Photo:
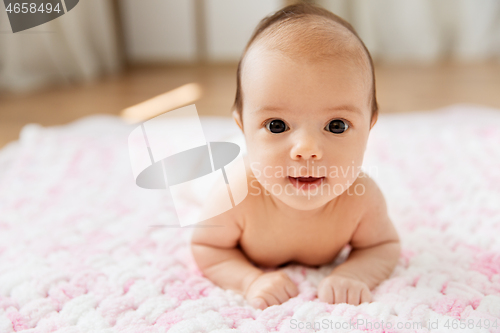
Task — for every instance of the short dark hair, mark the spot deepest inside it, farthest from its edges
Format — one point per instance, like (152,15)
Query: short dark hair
(290,14)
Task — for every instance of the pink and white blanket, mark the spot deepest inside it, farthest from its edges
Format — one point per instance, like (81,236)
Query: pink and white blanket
(83,249)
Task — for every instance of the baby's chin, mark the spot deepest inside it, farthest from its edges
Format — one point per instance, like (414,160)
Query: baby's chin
(303,202)
(301,199)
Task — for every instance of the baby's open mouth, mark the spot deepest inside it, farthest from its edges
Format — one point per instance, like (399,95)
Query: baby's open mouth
(305,183)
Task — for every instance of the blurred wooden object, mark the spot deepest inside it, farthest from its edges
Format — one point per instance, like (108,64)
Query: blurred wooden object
(400,88)
(171,100)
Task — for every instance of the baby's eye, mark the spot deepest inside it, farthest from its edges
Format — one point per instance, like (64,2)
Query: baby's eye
(276,126)
(337,126)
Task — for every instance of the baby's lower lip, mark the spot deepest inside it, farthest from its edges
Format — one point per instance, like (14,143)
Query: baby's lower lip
(305,183)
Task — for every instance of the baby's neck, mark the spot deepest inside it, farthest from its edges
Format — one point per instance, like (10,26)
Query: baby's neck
(298,214)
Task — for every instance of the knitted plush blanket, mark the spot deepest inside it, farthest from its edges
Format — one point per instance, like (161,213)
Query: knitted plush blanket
(83,249)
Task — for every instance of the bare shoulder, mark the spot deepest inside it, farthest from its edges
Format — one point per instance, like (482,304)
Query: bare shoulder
(366,189)
(225,229)
(364,194)
(374,226)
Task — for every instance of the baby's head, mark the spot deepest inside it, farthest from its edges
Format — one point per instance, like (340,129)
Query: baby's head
(305,102)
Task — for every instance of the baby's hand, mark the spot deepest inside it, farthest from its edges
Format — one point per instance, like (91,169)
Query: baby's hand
(336,289)
(271,288)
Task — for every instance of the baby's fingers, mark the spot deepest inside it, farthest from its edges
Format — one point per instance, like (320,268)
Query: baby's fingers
(281,294)
(325,293)
(353,295)
(291,289)
(258,303)
(271,298)
(366,295)
(340,294)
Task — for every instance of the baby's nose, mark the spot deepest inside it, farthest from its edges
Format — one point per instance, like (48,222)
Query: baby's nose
(306,148)
(313,156)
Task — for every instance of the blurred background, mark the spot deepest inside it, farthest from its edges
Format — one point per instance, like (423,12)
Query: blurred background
(107,55)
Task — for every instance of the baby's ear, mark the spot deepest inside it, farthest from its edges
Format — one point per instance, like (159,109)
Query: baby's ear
(237,119)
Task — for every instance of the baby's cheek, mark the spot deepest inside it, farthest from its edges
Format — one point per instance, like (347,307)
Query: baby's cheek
(342,176)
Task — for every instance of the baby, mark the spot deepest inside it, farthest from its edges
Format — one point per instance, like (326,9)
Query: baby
(305,102)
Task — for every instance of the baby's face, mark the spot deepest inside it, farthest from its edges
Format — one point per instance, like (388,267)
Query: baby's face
(304,119)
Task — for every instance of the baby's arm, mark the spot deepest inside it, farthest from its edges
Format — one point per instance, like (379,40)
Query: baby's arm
(216,253)
(375,252)
(214,246)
